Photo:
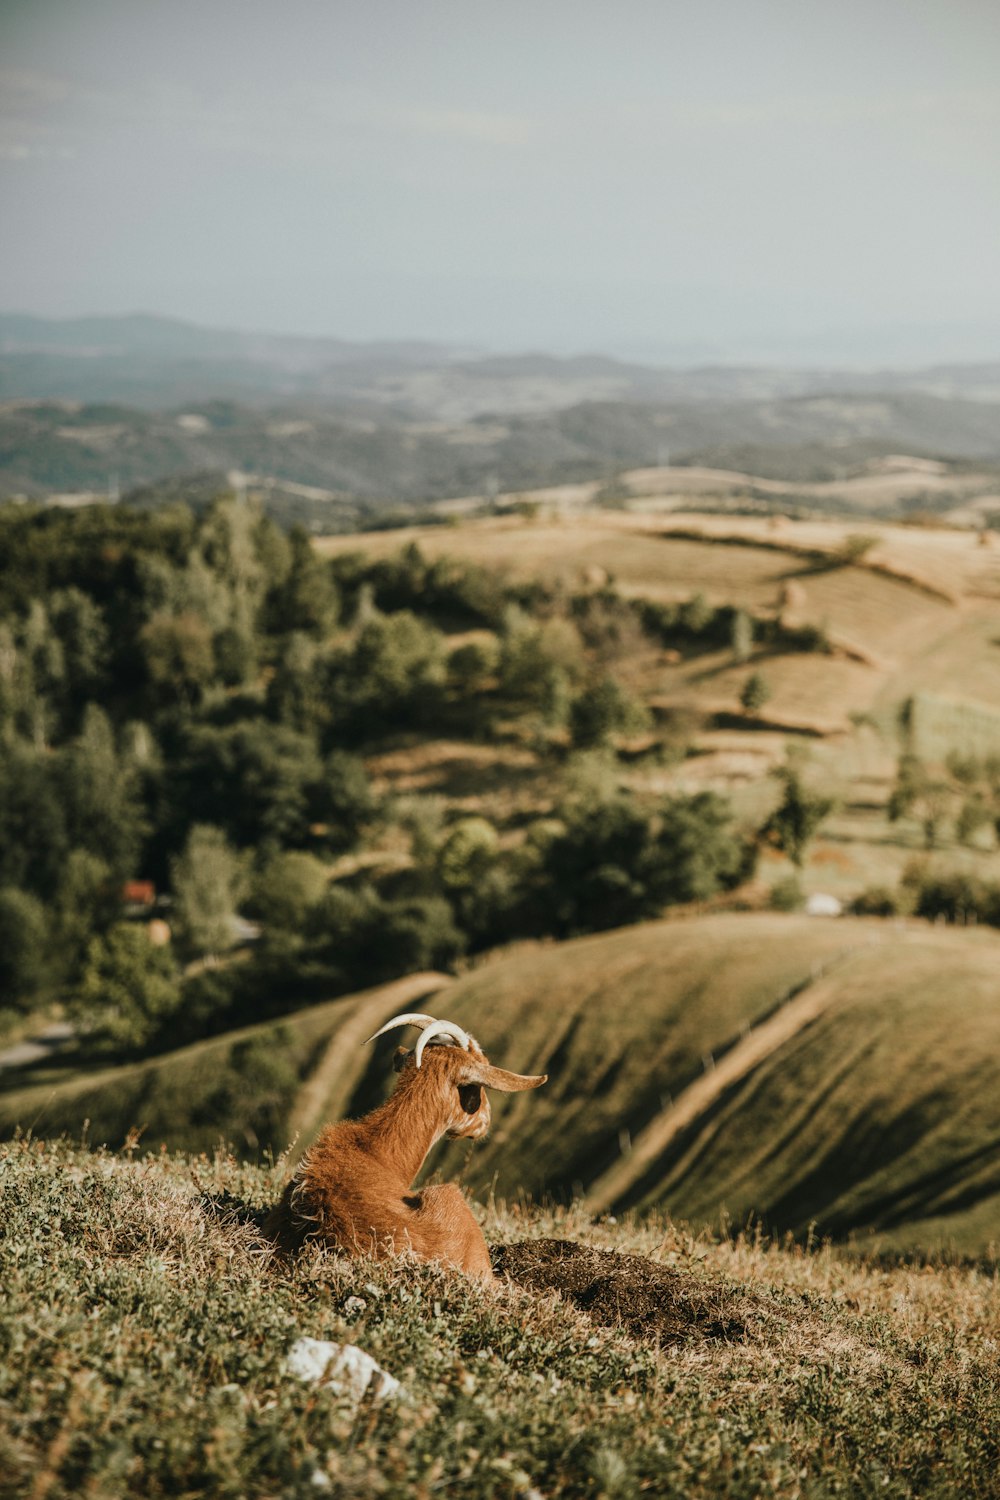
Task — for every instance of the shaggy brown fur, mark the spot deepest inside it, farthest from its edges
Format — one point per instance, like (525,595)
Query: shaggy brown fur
(353,1189)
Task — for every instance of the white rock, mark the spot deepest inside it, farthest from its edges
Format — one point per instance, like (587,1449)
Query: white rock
(820,904)
(344,1367)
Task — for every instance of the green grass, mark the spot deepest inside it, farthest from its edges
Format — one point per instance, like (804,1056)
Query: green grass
(879,1115)
(876,1122)
(142,1343)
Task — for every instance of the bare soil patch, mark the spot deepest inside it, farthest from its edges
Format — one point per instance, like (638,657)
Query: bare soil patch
(654,1304)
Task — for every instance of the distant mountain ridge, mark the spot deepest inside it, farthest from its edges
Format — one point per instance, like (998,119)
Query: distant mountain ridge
(111,405)
(154,362)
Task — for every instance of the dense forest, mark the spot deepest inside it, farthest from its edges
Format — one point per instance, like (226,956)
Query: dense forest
(187,705)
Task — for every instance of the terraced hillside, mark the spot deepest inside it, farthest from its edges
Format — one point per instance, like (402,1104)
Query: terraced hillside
(919,611)
(840,1075)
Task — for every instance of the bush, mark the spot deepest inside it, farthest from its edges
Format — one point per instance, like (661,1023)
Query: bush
(958,897)
(787,895)
(856,546)
(880,901)
(392,676)
(471,665)
(756,691)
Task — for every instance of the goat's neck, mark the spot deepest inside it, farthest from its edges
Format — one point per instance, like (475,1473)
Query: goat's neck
(402,1131)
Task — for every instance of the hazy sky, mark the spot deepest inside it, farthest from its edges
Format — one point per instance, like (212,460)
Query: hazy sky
(627,175)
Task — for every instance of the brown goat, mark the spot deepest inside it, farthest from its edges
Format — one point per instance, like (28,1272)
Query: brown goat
(353,1188)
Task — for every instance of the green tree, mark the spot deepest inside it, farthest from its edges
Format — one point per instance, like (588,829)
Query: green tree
(856,546)
(261,781)
(306,599)
(296,693)
(100,795)
(604,709)
(741,635)
(368,937)
(129,992)
(391,676)
(82,630)
(467,854)
(24,946)
(928,795)
(86,900)
(235,650)
(33,836)
(179,656)
(471,666)
(798,816)
(342,802)
(755,693)
(697,853)
(207,880)
(697,615)
(538,663)
(613,861)
(287,889)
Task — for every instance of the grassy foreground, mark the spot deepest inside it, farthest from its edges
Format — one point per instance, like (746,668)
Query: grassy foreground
(142,1341)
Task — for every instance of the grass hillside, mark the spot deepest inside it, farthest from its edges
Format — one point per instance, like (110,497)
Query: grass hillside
(871,1104)
(143,1340)
(836,1075)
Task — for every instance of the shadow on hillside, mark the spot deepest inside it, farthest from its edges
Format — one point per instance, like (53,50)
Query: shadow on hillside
(653,1304)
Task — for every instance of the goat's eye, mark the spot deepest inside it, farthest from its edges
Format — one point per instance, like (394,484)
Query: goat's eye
(470,1095)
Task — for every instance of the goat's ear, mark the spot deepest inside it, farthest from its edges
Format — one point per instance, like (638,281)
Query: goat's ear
(399,1058)
(508,1083)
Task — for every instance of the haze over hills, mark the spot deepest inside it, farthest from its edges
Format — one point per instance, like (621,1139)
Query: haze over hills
(99,405)
(152,361)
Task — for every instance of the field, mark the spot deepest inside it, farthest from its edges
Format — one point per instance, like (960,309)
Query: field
(920,599)
(818,1076)
(144,1332)
(917,617)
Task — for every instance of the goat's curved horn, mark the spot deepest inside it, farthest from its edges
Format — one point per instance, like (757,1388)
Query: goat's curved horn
(442,1028)
(412,1018)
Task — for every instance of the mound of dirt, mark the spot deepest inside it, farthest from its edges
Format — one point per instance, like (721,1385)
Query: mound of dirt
(652,1303)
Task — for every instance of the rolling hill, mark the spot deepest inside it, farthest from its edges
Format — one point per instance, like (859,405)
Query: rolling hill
(363,449)
(836,1078)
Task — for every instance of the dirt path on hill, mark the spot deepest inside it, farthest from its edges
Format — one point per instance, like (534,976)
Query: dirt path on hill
(699,1097)
(326,1092)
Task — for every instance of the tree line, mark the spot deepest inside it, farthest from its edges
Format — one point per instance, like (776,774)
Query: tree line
(189,700)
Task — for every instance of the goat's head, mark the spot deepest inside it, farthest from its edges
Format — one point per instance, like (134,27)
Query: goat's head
(450,1068)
